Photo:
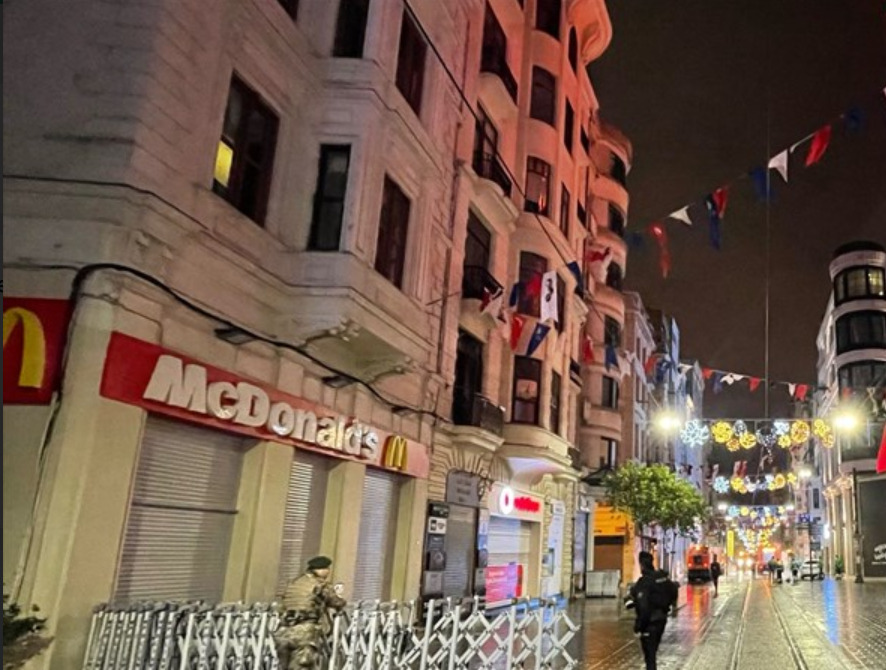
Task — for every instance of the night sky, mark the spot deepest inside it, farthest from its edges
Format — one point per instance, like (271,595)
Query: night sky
(689,82)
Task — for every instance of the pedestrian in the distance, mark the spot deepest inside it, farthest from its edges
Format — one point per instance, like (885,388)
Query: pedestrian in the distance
(653,596)
(716,571)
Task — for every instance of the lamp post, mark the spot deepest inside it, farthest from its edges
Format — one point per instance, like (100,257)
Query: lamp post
(859,547)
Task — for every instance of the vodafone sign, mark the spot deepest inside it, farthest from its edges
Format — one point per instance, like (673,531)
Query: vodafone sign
(504,501)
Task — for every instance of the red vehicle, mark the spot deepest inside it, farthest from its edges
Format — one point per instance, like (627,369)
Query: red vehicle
(698,563)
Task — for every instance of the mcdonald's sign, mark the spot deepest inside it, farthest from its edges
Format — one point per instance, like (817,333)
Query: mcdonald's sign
(396,453)
(34,331)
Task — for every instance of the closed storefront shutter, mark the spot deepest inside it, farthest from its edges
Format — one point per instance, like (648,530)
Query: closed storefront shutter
(510,541)
(608,552)
(184,501)
(579,553)
(303,519)
(461,540)
(378,535)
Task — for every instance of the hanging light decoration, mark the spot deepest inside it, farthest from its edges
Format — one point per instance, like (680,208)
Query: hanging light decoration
(739,427)
(695,433)
(820,428)
(766,436)
(747,440)
(721,485)
(722,432)
(734,444)
(829,440)
(800,432)
(792,478)
(782,427)
(784,441)
(780,481)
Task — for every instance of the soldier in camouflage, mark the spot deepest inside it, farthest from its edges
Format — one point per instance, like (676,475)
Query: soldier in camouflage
(307,602)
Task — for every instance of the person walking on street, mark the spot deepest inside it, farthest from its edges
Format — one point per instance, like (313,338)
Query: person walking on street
(307,601)
(653,596)
(716,571)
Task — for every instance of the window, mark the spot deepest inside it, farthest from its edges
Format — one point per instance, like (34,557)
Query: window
(476,277)
(245,156)
(329,198)
(585,140)
(555,402)
(609,398)
(468,378)
(547,17)
(543,105)
(561,304)
(291,7)
(527,376)
(532,267)
(573,50)
(568,126)
(619,171)
(611,450)
(411,63)
(350,29)
(860,376)
(486,163)
(614,276)
(861,330)
(390,255)
(612,332)
(564,210)
(538,186)
(859,282)
(816,499)
(616,221)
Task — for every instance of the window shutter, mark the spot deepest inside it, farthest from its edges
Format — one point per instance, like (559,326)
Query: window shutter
(378,535)
(461,541)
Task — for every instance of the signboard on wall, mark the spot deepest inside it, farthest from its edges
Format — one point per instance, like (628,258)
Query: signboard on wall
(34,335)
(872,493)
(608,521)
(463,488)
(502,582)
(505,501)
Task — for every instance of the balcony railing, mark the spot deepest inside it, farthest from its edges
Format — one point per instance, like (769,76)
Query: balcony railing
(493,61)
(582,214)
(585,141)
(575,371)
(473,409)
(859,453)
(489,167)
(619,170)
(475,279)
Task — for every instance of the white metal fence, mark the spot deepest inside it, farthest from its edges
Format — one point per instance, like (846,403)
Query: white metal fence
(450,635)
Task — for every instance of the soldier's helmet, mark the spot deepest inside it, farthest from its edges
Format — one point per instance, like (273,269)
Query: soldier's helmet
(319,563)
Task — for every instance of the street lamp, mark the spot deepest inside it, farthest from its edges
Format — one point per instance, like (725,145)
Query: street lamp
(847,420)
(667,421)
(805,472)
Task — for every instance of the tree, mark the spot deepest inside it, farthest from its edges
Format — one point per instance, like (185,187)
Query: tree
(655,496)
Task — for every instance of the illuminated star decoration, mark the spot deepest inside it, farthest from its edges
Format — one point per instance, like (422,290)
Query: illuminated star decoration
(800,432)
(722,432)
(721,485)
(695,433)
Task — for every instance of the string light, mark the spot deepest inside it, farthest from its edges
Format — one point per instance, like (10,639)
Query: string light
(722,432)
(767,436)
(695,433)
(800,432)
(734,444)
(747,440)
(721,485)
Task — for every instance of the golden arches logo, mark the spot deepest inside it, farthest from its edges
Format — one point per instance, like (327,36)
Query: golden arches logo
(396,452)
(33,345)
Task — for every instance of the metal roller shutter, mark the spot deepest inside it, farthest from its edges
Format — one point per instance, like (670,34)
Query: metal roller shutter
(510,541)
(378,535)
(580,543)
(182,514)
(303,519)
(461,540)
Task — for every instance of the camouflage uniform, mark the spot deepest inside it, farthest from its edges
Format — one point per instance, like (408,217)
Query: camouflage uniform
(306,625)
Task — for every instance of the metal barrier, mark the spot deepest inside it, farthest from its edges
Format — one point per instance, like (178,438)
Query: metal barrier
(454,634)
(178,636)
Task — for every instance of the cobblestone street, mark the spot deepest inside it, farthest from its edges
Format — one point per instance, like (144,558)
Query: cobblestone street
(751,626)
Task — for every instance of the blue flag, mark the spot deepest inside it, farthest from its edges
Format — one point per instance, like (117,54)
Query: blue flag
(611,357)
(636,241)
(718,382)
(762,184)
(854,120)
(515,295)
(579,281)
(538,336)
(714,217)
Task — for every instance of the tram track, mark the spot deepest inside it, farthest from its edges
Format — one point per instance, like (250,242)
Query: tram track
(796,653)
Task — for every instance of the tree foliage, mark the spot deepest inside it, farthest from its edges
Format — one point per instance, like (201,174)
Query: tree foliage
(654,495)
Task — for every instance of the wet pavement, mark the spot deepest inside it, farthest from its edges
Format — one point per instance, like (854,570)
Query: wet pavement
(752,625)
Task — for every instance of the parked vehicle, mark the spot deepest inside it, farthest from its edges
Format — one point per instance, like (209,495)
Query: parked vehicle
(698,564)
(811,570)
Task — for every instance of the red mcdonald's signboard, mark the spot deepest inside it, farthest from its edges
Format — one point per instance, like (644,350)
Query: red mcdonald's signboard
(34,332)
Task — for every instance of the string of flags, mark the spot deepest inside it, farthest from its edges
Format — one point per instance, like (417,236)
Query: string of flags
(716,201)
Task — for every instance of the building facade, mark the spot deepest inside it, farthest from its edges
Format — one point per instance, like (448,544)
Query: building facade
(249,262)
(852,382)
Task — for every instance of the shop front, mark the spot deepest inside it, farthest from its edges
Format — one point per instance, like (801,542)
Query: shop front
(513,544)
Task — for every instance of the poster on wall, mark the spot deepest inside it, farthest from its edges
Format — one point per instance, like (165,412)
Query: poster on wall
(872,493)
(502,582)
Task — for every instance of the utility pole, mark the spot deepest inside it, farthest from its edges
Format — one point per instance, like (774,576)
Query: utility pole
(859,547)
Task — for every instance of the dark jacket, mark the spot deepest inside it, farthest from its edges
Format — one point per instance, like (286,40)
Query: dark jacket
(716,570)
(653,595)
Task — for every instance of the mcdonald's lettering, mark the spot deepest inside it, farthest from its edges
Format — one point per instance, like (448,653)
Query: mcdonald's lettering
(33,337)
(396,452)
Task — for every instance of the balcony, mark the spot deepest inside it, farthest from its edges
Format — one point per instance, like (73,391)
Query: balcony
(607,188)
(489,167)
(498,86)
(473,409)
(532,452)
(575,372)
(594,28)
(475,280)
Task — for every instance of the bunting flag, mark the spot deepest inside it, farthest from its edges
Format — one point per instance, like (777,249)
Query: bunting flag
(587,349)
(779,163)
(714,221)
(792,389)
(576,272)
(549,302)
(762,185)
(754,383)
(517,325)
(820,140)
(636,240)
(707,373)
(802,390)
(611,357)
(853,120)
(491,304)
(682,215)
(649,365)
(718,382)
(596,256)
(624,367)
(720,198)
(881,456)
(538,335)
(661,237)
